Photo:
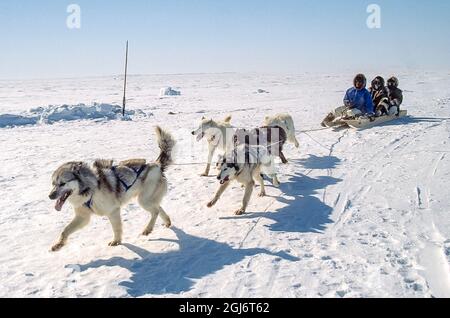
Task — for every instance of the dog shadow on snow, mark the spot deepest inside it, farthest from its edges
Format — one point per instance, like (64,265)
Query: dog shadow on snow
(176,271)
(318,163)
(304,210)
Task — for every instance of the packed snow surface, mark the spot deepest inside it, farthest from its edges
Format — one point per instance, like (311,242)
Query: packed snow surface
(359,213)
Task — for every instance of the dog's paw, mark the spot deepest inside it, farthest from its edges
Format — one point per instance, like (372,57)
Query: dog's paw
(276,184)
(115,243)
(239,212)
(204,174)
(57,247)
(147,232)
(211,204)
(168,224)
(262,194)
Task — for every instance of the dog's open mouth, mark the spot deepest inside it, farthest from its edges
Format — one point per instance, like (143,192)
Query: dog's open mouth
(200,136)
(225,180)
(62,199)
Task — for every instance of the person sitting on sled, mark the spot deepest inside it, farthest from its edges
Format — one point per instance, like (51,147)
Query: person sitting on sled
(395,96)
(357,102)
(379,96)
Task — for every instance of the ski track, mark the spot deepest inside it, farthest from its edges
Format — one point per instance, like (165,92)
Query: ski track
(362,217)
(432,256)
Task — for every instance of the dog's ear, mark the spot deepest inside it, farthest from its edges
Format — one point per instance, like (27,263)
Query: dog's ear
(203,117)
(76,171)
(79,170)
(227,119)
(76,167)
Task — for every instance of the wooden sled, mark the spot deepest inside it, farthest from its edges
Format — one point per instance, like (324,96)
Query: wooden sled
(364,122)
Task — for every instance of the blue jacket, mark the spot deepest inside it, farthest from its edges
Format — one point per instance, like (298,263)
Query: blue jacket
(360,99)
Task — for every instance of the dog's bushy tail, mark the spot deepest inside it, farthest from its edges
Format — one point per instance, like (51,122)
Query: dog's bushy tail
(166,144)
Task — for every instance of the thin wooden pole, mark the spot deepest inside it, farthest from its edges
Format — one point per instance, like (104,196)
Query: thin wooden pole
(125,82)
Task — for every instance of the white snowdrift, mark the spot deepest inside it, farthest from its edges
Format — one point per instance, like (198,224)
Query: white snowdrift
(168,91)
(52,114)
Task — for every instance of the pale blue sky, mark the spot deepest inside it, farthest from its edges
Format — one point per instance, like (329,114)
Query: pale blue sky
(192,36)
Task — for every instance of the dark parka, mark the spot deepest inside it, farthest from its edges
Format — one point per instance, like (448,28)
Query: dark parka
(379,94)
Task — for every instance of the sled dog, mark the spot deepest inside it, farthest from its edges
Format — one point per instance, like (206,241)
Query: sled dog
(245,165)
(273,138)
(219,135)
(104,188)
(286,122)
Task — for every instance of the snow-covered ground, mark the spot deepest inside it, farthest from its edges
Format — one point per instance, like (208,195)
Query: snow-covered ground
(359,213)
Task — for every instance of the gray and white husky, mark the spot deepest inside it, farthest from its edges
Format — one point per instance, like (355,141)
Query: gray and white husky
(245,164)
(104,188)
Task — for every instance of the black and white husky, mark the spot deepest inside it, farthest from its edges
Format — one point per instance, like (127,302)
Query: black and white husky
(104,188)
(271,137)
(245,164)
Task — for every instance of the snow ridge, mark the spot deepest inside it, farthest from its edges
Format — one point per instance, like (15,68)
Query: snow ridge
(52,114)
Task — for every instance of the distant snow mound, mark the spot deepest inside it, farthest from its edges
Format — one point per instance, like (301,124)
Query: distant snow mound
(8,120)
(52,114)
(168,91)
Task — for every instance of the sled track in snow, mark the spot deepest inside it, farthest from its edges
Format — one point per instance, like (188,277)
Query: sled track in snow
(329,171)
(389,150)
(432,256)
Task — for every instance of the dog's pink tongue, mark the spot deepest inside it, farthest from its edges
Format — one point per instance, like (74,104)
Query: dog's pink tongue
(59,204)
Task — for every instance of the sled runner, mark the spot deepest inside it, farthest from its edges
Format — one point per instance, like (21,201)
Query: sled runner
(365,122)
